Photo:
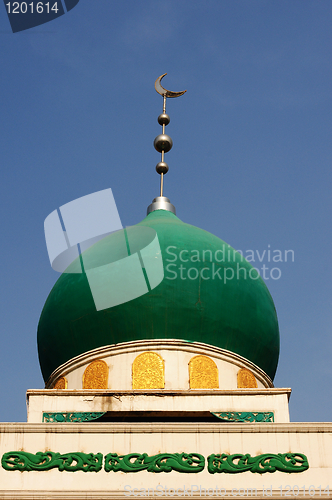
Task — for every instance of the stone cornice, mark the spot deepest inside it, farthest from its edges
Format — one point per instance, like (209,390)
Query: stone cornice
(159,392)
(165,427)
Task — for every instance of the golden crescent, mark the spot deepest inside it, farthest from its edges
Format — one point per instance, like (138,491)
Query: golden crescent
(164,92)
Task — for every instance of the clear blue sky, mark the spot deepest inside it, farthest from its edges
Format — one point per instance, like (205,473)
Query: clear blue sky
(251,160)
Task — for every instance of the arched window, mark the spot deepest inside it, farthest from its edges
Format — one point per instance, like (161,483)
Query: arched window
(148,371)
(246,379)
(95,375)
(61,383)
(203,373)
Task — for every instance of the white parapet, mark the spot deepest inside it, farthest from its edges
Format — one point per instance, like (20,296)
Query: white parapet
(144,404)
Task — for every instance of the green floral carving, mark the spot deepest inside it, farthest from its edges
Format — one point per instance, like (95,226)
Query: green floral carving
(163,462)
(268,462)
(245,416)
(70,462)
(84,416)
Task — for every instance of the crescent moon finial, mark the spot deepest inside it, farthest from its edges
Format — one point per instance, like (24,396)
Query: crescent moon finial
(163,143)
(164,92)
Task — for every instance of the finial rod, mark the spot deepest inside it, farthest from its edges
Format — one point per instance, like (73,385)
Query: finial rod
(161,183)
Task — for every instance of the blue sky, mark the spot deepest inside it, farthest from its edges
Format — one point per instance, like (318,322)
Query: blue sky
(251,160)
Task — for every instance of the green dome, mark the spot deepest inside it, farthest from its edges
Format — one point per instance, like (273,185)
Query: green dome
(192,303)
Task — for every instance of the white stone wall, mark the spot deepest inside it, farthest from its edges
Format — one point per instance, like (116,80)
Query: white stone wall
(313,440)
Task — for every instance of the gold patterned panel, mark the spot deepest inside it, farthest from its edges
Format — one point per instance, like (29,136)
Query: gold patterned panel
(148,371)
(61,383)
(95,375)
(203,373)
(246,379)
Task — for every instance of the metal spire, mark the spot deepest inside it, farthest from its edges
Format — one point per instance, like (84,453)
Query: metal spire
(163,143)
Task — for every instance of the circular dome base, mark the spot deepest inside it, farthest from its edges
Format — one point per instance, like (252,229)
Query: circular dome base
(176,355)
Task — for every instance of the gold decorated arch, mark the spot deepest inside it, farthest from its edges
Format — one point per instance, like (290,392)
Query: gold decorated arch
(148,371)
(246,379)
(61,383)
(203,373)
(95,375)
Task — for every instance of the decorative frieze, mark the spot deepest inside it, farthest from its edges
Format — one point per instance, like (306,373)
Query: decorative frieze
(245,416)
(85,416)
(162,462)
(268,462)
(42,461)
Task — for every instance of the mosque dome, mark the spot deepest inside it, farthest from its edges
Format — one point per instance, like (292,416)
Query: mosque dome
(192,303)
